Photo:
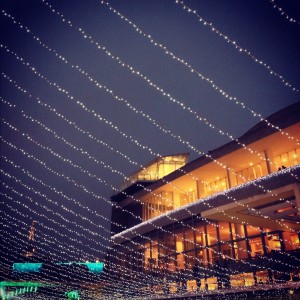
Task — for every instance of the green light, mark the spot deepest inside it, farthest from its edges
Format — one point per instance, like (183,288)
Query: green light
(22,283)
(27,267)
(94,267)
(20,288)
(72,295)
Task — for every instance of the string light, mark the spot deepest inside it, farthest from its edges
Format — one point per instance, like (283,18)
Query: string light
(30,95)
(182,61)
(235,44)
(12,128)
(65,160)
(57,241)
(283,13)
(141,112)
(114,127)
(32,210)
(84,277)
(138,73)
(67,93)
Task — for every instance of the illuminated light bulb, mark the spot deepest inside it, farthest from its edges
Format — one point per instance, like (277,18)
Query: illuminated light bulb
(283,13)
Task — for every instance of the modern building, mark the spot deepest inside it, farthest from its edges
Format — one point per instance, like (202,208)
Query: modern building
(228,218)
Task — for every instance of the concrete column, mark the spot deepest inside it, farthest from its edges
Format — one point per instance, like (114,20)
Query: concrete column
(267,162)
(200,188)
(297,195)
(228,178)
(197,189)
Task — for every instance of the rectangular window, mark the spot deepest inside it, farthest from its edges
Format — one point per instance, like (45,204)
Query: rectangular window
(224,231)
(147,256)
(186,198)
(200,236)
(252,230)
(256,247)
(213,255)
(180,248)
(291,241)
(154,254)
(287,159)
(190,259)
(171,267)
(238,231)
(226,250)
(272,242)
(189,240)
(211,234)
(202,257)
(216,186)
(251,173)
(240,250)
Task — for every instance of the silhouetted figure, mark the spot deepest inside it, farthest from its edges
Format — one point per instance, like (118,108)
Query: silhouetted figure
(255,278)
(196,273)
(218,275)
(166,288)
(181,281)
(178,281)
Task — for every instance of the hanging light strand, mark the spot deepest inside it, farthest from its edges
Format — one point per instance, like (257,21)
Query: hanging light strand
(109,122)
(177,220)
(235,44)
(174,220)
(151,83)
(283,13)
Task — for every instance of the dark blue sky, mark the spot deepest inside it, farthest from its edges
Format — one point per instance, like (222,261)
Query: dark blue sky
(254,24)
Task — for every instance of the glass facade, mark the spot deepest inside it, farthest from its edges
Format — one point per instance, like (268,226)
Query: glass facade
(229,250)
(212,244)
(288,159)
(158,203)
(157,169)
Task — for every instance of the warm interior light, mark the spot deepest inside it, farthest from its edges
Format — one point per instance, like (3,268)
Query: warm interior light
(284,209)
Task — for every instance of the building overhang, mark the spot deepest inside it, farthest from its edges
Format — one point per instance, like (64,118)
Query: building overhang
(286,119)
(229,205)
(131,190)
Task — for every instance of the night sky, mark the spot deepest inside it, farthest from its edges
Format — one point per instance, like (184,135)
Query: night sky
(86,120)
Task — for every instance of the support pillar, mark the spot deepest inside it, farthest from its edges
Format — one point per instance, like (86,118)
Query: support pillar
(267,162)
